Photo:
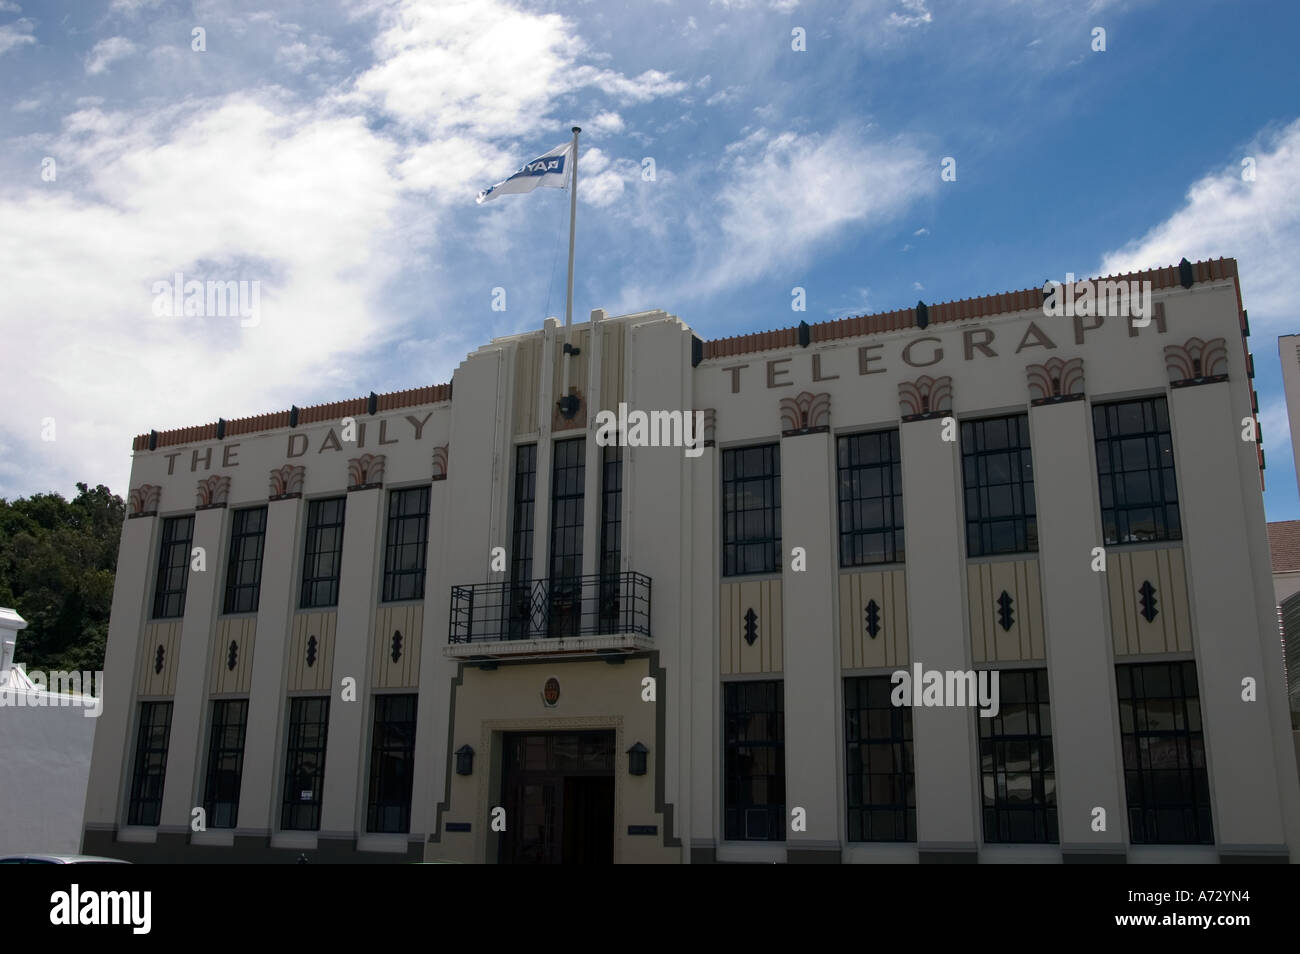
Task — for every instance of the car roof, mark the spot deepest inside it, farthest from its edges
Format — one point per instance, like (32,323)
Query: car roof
(66,859)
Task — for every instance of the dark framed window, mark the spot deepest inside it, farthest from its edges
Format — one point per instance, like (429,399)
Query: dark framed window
(521,550)
(225,762)
(1017,766)
(304,763)
(871,499)
(751,510)
(323,553)
(244,570)
(408,536)
(173,567)
(568,483)
(611,535)
(754,761)
(1165,776)
(878,765)
(998,476)
(392,764)
(150,773)
(1135,471)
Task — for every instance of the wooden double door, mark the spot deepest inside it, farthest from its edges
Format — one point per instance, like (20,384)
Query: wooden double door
(558,793)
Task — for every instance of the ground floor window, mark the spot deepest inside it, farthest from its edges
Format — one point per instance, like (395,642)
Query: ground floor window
(878,768)
(754,769)
(150,763)
(304,763)
(392,764)
(225,762)
(1165,777)
(1016,762)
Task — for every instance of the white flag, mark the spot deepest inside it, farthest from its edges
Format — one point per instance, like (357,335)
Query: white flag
(550,169)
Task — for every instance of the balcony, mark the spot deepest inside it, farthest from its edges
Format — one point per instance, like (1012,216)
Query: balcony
(600,615)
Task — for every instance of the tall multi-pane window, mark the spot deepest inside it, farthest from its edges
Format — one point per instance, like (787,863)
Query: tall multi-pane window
(323,554)
(304,763)
(1017,768)
(150,773)
(408,534)
(173,567)
(521,544)
(871,499)
(568,480)
(751,510)
(754,761)
(611,535)
(998,475)
(1135,471)
(1165,777)
(244,570)
(225,762)
(392,764)
(878,765)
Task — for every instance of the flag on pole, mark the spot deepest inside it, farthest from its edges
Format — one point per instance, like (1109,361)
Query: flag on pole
(550,169)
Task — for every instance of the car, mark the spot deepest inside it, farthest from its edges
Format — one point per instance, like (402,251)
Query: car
(60,860)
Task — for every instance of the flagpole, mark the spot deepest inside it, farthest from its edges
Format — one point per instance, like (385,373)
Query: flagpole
(573,215)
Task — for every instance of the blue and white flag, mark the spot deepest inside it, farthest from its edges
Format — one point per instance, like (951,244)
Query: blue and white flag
(550,169)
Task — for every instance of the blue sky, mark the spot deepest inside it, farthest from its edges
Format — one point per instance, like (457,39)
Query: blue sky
(332,152)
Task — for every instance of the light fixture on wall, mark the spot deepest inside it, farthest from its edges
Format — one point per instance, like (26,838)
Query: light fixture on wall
(464,760)
(636,759)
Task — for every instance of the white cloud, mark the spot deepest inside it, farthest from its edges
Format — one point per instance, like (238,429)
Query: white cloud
(8,6)
(105,52)
(26,105)
(922,231)
(16,34)
(916,15)
(1257,223)
(724,96)
(131,7)
(606,123)
(299,55)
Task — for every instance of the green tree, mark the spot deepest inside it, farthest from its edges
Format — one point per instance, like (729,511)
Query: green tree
(57,561)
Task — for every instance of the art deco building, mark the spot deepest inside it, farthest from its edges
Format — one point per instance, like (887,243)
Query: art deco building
(447,623)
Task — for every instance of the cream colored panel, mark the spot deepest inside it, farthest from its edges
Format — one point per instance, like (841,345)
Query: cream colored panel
(528,383)
(404,673)
(1170,630)
(313,677)
(242,631)
(766,654)
(858,649)
(611,365)
(990,641)
(157,676)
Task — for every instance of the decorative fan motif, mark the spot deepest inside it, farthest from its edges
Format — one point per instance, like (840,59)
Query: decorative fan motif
(287,480)
(212,491)
(365,471)
(144,499)
(710,426)
(924,397)
(440,462)
(1197,361)
(805,412)
(1055,380)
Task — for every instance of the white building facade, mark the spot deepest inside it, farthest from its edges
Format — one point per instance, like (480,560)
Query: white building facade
(448,624)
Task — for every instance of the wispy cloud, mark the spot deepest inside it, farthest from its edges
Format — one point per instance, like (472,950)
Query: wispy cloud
(105,52)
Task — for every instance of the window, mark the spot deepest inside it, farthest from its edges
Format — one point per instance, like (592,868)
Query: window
(324,552)
(408,534)
(751,510)
(1164,754)
(878,762)
(1016,763)
(568,480)
(225,762)
(998,474)
(150,763)
(521,556)
(611,535)
(1135,471)
(304,764)
(871,499)
(754,761)
(173,567)
(244,571)
(392,764)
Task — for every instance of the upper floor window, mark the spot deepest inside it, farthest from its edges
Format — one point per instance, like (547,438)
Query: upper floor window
(408,535)
(998,476)
(244,571)
(323,556)
(1135,471)
(871,499)
(751,510)
(173,567)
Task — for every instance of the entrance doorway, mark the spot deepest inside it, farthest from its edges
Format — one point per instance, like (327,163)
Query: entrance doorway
(558,793)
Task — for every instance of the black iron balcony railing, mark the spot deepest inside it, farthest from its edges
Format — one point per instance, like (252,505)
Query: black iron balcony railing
(603,604)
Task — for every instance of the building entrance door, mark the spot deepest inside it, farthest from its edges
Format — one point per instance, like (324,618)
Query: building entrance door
(558,792)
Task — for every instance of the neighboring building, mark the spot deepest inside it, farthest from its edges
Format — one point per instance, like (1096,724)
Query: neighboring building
(45,744)
(1284,554)
(471,613)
